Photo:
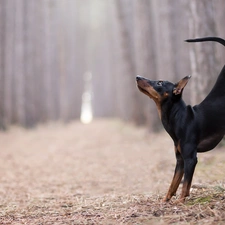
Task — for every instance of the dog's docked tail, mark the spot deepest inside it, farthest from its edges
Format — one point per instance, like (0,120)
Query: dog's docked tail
(216,39)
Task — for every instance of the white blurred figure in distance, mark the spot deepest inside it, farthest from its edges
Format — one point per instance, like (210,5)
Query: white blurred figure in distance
(86,108)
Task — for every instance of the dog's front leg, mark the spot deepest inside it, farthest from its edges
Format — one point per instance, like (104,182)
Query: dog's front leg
(178,174)
(190,161)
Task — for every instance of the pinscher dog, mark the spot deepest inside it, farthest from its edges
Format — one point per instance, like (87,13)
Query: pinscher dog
(193,129)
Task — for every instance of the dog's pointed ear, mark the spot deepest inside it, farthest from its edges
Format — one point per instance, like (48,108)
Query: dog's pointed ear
(178,87)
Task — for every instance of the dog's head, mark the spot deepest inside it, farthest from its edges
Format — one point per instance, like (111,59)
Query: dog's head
(160,90)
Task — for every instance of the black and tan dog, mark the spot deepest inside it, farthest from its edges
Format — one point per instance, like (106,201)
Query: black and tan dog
(193,129)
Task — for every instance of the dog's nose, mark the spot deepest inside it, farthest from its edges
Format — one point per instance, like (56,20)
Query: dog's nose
(138,77)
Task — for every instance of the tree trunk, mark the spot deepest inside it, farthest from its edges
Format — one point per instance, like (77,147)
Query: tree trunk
(127,100)
(202,55)
(19,63)
(145,60)
(3,122)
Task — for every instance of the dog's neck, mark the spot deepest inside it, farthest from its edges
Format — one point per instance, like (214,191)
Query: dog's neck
(172,113)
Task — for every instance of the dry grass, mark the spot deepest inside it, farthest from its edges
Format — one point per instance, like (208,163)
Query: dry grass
(107,172)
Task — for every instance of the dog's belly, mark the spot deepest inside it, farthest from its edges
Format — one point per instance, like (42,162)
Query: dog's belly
(209,143)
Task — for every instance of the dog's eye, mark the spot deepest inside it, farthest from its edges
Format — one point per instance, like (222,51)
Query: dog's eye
(159,83)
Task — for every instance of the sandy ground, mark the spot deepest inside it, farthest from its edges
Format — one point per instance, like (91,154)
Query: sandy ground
(107,172)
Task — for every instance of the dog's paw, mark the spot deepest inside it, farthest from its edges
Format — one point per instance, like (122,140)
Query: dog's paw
(166,199)
(179,201)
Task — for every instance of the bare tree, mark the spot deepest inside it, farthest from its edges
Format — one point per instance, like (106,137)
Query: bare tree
(127,73)
(202,55)
(3,122)
(219,16)
(145,60)
(19,63)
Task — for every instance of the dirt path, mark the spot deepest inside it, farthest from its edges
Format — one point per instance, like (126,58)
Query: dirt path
(103,173)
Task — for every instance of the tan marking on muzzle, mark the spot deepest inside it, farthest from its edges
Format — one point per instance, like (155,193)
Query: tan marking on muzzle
(148,90)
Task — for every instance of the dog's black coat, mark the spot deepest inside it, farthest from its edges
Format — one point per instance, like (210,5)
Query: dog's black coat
(193,129)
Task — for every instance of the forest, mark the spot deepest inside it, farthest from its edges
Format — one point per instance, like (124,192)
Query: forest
(57,55)
(68,63)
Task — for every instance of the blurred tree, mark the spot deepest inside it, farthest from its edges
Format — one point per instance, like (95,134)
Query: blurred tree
(3,120)
(145,60)
(28,57)
(202,55)
(8,59)
(72,37)
(126,78)
(98,47)
(219,17)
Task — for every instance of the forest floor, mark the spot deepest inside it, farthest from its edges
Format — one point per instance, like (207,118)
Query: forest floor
(107,172)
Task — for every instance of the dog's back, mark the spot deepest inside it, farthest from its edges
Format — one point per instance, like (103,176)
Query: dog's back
(211,111)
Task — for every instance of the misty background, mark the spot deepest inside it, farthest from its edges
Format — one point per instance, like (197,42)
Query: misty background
(63,60)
